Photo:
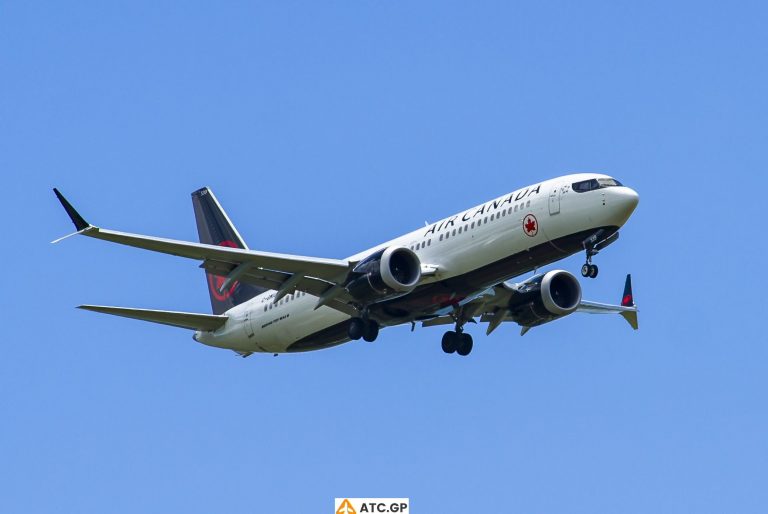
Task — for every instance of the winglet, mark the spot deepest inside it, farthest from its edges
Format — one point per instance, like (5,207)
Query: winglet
(80,223)
(631,317)
(627,300)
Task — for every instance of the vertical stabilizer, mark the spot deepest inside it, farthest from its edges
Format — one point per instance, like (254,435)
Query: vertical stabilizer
(214,227)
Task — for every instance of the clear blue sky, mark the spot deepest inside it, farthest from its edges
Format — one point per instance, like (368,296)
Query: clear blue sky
(324,128)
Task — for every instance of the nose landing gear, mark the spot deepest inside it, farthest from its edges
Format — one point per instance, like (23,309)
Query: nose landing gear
(592,246)
(589,270)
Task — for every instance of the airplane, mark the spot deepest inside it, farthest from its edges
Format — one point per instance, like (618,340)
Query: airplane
(456,271)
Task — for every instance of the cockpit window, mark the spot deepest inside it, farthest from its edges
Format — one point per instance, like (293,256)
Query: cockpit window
(585,185)
(590,185)
(608,182)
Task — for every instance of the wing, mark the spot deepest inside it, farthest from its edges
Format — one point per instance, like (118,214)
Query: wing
(282,272)
(627,309)
(492,307)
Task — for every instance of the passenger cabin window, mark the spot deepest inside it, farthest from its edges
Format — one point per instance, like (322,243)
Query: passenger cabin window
(591,185)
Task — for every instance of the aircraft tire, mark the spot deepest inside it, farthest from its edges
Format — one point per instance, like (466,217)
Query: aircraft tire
(593,270)
(371,331)
(465,345)
(449,341)
(356,329)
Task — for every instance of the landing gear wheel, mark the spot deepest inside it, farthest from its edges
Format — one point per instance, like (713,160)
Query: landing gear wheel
(356,328)
(371,331)
(589,270)
(465,345)
(449,342)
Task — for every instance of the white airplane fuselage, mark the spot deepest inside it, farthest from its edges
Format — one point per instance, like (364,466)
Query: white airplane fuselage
(468,252)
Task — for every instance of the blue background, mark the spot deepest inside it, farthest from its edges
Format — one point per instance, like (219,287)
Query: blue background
(325,128)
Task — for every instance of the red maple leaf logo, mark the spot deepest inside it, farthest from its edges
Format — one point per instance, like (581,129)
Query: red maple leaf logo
(530,225)
(216,281)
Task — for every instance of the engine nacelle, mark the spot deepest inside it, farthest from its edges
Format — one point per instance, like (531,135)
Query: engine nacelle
(545,298)
(386,274)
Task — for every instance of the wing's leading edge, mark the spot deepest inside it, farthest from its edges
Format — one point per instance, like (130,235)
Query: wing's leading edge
(628,310)
(332,270)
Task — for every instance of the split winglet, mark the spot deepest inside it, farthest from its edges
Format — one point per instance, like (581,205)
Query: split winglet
(79,222)
(81,225)
(628,300)
(84,231)
(627,308)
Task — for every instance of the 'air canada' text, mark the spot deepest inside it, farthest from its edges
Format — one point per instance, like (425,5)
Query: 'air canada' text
(485,208)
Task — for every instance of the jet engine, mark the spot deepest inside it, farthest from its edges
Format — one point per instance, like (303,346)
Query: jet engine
(387,273)
(545,298)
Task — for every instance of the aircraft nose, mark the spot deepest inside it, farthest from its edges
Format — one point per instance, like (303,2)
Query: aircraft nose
(623,201)
(629,199)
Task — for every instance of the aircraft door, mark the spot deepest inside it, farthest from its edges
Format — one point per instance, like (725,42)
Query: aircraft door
(248,323)
(554,200)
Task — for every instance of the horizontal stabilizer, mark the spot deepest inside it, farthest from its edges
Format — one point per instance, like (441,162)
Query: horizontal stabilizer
(193,321)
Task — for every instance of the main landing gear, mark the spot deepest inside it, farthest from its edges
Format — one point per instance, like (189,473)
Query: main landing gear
(367,329)
(458,342)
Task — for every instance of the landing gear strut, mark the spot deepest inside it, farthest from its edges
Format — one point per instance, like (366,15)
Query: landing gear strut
(458,342)
(590,247)
(360,328)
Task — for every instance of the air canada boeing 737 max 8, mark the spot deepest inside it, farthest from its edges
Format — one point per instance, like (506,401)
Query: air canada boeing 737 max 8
(448,273)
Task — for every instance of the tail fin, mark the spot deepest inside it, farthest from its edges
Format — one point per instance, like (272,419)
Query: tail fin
(215,228)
